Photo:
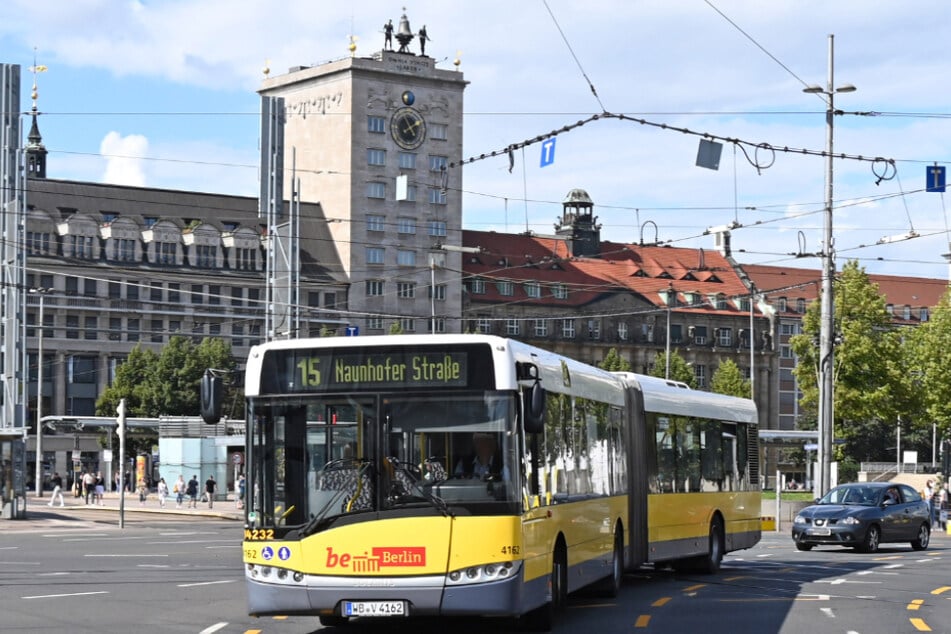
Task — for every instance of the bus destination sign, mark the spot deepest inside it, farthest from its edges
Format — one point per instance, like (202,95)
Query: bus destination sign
(332,370)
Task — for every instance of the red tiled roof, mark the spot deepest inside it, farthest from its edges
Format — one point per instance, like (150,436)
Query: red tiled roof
(793,283)
(647,271)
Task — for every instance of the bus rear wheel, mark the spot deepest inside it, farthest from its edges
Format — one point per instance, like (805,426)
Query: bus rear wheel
(611,585)
(710,563)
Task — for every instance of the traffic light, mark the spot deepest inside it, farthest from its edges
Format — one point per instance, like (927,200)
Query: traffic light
(120,419)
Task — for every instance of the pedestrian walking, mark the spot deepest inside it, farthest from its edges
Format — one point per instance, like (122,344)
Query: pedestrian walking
(210,487)
(192,491)
(57,483)
(239,502)
(100,490)
(179,491)
(143,491)
(162,492)
(89,487)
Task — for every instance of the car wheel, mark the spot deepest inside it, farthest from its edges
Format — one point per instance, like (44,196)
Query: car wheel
(873,537)
(924,537)
(801,546)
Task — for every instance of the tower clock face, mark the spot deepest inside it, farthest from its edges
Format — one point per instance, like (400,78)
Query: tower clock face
(408,128)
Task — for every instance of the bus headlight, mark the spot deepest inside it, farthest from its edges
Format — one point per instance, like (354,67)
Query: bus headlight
(483,573)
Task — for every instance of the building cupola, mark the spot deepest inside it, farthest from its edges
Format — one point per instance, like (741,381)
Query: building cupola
(35,150)
(579,226)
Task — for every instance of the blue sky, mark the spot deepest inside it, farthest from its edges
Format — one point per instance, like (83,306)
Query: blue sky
(162,93)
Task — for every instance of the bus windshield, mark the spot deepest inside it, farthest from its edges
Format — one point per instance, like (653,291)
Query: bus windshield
(315,459)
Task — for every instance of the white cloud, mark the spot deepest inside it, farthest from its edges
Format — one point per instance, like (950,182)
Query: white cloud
(124,159)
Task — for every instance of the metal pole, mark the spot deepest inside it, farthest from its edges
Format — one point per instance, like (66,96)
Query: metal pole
(670,291)
(828,313)
(752,349)
(39,402)
(432,293)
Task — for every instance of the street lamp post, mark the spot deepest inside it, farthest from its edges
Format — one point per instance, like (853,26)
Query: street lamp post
(827,319)
(39,394)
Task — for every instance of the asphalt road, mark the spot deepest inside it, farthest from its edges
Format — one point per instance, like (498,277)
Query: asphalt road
(76,571)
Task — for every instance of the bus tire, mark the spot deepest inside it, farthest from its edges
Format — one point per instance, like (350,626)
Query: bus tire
(611,585)
(710,563)
(542,619)
(333,621)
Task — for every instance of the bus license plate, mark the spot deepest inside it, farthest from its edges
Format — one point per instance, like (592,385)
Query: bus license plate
(374,608)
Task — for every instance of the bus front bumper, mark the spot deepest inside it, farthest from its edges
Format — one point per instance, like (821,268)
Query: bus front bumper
(424,596)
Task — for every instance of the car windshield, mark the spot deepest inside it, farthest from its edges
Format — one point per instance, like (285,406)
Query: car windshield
(857,494)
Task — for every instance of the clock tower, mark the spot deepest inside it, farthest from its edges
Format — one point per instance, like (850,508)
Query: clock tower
(372,139)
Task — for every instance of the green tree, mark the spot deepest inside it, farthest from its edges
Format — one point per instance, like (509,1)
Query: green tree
(130,383)
(613,362)
(396,328)
(870,385)
(679,368)
(166,384)
(727,379)
(928,355)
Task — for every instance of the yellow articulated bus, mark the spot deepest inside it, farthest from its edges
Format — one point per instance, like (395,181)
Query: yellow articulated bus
(475,475)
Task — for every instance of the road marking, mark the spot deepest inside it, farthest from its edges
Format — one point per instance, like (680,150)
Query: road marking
(840,581)
(941,590)
(924,561)
(20,563)
(125,555)
(643,620)
(915,604)
(229,546)
(920,625)
(204,583)
(153,566)
(196,541)
(828,612)
(661,602)
(8,547)
(694,588)
(71,594)
(214,628)
(53,574)
(891,566)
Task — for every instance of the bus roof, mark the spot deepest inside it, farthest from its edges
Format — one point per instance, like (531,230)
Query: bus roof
(558,374)
(674,397)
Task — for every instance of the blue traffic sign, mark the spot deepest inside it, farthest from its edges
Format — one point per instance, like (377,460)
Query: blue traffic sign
(548,152)
(934,178)
(353,331)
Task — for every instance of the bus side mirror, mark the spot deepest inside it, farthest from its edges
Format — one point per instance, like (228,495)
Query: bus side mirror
(533,408)
(210,397)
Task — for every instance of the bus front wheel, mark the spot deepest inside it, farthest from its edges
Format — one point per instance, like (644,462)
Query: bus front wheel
(543,618)
(710,564)
(333,621)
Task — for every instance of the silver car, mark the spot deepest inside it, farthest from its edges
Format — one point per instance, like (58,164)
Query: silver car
(863,515)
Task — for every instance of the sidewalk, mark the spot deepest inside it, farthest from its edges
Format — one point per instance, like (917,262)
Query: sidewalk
(223,509)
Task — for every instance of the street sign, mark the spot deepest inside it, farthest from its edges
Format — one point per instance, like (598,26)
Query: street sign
(935,178)
(353,331)
(548,152)
(811,446)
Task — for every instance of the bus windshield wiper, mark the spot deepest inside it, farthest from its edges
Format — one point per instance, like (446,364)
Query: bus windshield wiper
(345,476)
(409,481)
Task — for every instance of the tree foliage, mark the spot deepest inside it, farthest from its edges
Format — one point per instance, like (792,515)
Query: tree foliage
(680,370)
(165,384)
(928,354)
(613,362)
(870,383)
(728,379)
